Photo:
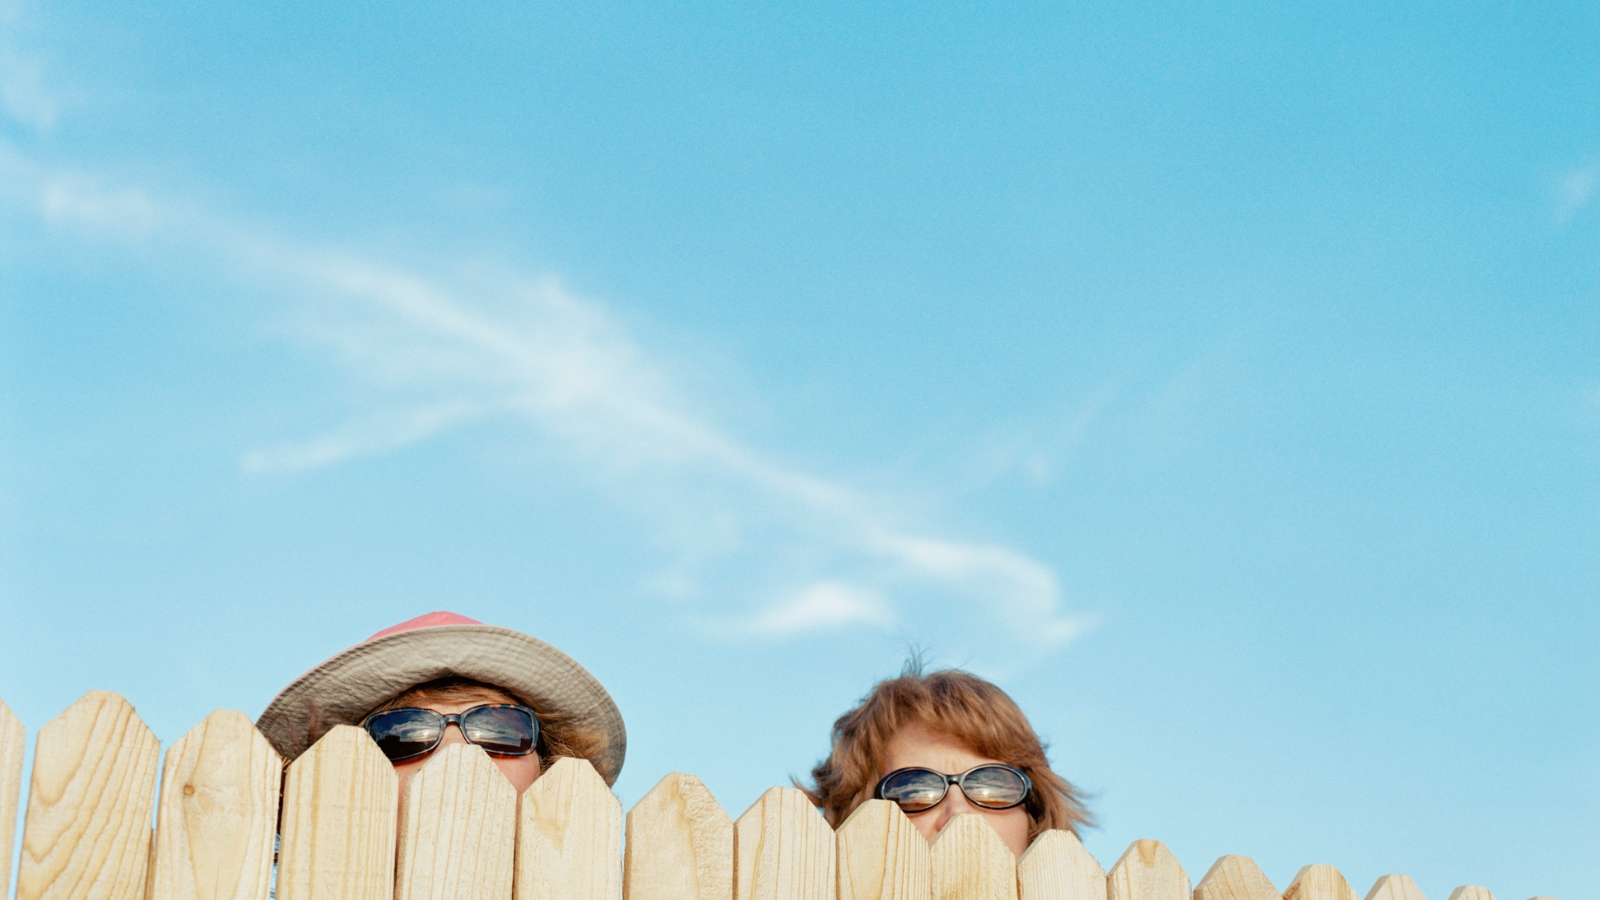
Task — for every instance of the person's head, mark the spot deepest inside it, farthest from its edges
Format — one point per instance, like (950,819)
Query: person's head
(523,701)
(522,740)
(950,722)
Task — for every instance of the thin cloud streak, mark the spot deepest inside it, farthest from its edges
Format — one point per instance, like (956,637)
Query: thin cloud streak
(435,360)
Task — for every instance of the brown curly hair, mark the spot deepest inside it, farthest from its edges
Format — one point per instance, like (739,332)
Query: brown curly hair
(950,702)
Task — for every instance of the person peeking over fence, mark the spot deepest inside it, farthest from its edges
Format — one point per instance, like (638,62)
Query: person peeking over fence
(443,678)
(940,744)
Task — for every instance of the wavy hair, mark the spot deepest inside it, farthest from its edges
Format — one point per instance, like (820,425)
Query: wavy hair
(950,702)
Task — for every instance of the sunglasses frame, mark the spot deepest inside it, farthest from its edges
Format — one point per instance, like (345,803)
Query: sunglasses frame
(455,719)
(957,780)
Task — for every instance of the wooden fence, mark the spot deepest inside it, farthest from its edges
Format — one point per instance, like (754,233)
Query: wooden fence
(463,834)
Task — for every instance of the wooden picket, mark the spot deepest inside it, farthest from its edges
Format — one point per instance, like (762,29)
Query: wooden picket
(1395,887)
(1236,878)
(1056,867)
(87,831)
(461,833)
(340,813)
(1318,882)
(970,862)
(680,844)
(217,814)
(569,836)
(458,829)
(880,855)
(1147,871)
(13,743)
(783,850)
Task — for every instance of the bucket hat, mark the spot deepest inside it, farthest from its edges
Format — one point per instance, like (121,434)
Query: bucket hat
(344,689)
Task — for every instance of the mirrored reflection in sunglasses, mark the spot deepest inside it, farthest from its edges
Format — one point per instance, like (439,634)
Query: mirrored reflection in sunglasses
(412,731)
(991,786)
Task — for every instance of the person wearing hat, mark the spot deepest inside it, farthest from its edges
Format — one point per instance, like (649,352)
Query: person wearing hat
(444,678)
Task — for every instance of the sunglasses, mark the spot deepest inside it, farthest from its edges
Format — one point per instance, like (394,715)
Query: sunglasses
(990,786)
(503,729)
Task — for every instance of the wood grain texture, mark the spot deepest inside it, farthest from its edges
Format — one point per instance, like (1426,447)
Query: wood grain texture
(1395,887)
(340,807)
(971,862)
(1147,871)
(783,850)
(1236,878)
(13,742)
(1056,867)
(458,829)
(1471,892)
(1317,882)
(882,856)
(87,833)
(680,844)
(569,836)
(217,814)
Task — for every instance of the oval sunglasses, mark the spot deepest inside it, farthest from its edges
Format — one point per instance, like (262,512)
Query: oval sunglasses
(991,786)
(407,732)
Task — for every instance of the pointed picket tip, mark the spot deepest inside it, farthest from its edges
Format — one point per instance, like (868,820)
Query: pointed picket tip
(971,862)
(1236,878)
(569,836)
(217,813)
(1395,887)
(1057,867)
(340,811)
(882,856)
(13,743)
(90,800)
(458,827)
(1319,882)
(783,849)
(1147,870)
(679,844)
(1471,892)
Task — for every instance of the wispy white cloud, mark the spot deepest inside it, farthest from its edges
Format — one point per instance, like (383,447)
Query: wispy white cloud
(1575,190)
(822,606)
(800,552)
(25,97)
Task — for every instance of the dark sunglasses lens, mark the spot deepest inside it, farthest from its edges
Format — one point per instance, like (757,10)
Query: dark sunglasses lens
(994,786)
(500,729)
(403,733)
(915,789)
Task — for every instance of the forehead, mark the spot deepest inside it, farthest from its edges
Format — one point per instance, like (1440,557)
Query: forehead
(453,696)
(917,745)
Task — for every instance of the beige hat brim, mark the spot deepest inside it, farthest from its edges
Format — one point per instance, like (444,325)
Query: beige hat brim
(343,690)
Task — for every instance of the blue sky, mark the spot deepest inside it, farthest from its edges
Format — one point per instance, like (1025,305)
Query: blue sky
(1219,377)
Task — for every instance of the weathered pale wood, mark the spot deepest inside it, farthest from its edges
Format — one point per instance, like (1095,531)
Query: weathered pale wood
(1147,871)
(882,856)
(1471,892)
(783,850)
(680,844)
(458,829)
(340,809)
(87,833)
(1318,882)
(569,836)
(1395,887)
(1236,878)
(13,742)
(218,813)
(971,862)
(1056,867)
